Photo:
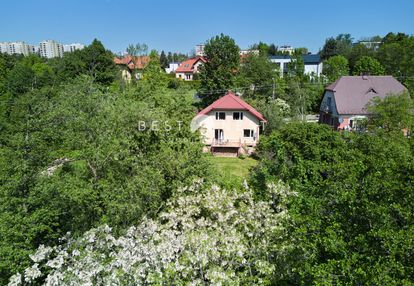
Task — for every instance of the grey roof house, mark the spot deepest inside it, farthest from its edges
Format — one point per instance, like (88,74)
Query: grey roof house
(344,101)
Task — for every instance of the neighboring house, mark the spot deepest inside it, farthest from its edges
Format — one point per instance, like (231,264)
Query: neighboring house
(199,50)
(373,45)
(313,63)
(229,126)
(132,66)
(344,101)
(172,67)
(286,49)
(188,68)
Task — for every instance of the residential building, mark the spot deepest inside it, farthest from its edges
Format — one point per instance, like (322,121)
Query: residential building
(344,102)
(50,49)
(229,126)
(172,67)
(16,48)
(286,49)
(4,47)
(373,45)
(248,52)
(313,64)
(132,66)
(72,47)
(187,69)
(199,50)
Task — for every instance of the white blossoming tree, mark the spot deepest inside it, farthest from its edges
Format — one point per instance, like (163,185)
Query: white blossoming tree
(205,236)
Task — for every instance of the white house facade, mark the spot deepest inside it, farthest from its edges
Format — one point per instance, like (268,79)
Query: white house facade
(313,64)
(229,126)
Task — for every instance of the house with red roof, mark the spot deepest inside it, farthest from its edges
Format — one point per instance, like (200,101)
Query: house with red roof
(131,66)
(187,69)
(344,102)
(229,126)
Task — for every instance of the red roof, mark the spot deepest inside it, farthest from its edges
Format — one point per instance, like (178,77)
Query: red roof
(139,62)
(188,65)
(231,102)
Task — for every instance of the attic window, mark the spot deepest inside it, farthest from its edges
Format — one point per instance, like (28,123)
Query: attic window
(220,116)
(371,90)
(237,115)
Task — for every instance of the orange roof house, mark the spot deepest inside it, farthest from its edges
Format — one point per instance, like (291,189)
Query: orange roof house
(188,68)
(131,65)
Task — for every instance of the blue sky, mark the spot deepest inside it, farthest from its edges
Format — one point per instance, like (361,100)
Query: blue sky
(180,25)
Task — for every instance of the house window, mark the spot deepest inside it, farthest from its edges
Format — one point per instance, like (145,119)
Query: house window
(218,134)
(248,133)
(188,76)
(351,123)
(237,115)
(220,116)
(329,101)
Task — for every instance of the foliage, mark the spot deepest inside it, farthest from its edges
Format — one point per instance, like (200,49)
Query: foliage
(80,155)
(163,60)
(396,54)
(341,45)
(358,51)
(218,73)
(275,111)
(94,60)
(393,113)
(335,67)
(369,66)
(259,73)
(204,236)
(137,49)
(353,222)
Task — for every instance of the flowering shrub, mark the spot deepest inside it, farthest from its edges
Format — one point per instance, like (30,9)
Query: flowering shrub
(204,236)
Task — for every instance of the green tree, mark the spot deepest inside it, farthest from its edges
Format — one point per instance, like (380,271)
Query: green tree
(78,155)
(341,45)
(353,218)
(259,73)
(335,67)
(296,67)
(358,51)
(393,113)
(163,60)
(396,54)
(94,60)
(272,50)
(218,73)
(137,49)
(368,65)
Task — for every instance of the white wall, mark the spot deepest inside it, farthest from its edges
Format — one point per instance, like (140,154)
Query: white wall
(315,69)
(232,129)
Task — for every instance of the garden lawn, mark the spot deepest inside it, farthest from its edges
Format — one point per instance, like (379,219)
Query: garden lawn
(233,170)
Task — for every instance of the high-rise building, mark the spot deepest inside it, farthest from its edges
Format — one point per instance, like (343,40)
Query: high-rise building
(4,47)
(50,49)
(72,47)
(16,48)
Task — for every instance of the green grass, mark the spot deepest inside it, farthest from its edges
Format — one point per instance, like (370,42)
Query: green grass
(232,170)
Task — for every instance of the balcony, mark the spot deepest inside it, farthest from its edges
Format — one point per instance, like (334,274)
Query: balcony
(226,143)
